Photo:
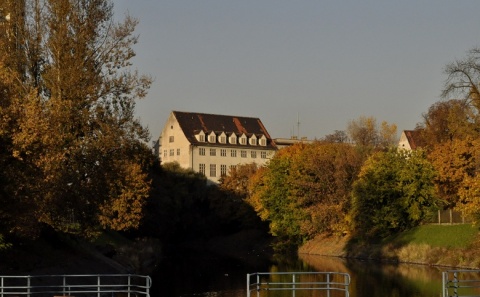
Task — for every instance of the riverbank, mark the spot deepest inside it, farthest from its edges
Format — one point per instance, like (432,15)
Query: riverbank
(440,245)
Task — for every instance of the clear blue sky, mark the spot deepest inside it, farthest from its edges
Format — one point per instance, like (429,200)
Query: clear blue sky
(328,62)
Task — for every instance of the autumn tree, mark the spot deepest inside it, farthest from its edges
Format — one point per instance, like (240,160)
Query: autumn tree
(237,179)
(447,121)
(454,161)
(365,132)
(74,124)
(304,190)
(463,79)
(338,136)
(394,192)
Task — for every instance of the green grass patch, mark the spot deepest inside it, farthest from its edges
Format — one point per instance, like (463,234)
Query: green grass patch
(455,236)
(112,238)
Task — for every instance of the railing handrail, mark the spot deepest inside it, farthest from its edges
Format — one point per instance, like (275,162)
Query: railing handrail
(456,283)
(331,282)
(67,284)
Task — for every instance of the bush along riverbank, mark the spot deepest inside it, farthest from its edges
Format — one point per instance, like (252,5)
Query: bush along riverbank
(442,245)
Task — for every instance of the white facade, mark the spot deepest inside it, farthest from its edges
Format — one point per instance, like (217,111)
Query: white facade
(213,150)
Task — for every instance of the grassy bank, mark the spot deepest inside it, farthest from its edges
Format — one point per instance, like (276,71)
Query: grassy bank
(444,245)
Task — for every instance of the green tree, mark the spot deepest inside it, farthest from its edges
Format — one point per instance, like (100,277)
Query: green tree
(74,131)
(394,192)
(273,201)
(304,190)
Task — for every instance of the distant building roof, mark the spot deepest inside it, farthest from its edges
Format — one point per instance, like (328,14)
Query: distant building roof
(193,122)
(414,139)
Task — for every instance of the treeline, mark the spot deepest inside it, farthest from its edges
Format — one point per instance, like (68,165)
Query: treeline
(75,160)
(366,186)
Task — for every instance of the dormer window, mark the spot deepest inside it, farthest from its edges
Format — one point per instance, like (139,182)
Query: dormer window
(263,141)
(222,138)
(212,138)
(253,140)
(233,139)
(200,136)
(243,139)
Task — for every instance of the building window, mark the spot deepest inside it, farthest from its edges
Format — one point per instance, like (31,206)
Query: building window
(243,140)
(253,154)
(223,170)
(223,152)
(164,153)
(223,139)
(201,169)
(263,155)
(243,154)
(213,152)
(233,140)
(201,138)
(263,142)
(201,151)
(178,152)
(213,170)
(233,167)
(172,152)
(233,153)
(170,139)
(253,141)
(211,138)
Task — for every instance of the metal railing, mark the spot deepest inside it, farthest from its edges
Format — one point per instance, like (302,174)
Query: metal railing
(461,283)
(298,281)
(76,285)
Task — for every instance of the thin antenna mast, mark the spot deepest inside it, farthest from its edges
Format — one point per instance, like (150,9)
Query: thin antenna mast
(298,126)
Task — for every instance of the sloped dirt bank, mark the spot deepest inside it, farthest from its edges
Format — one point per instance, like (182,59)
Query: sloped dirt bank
(388,252)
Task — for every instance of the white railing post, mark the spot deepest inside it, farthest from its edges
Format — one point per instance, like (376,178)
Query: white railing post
(248,285)
(129,282)
(149,284)
(455,284)
(328,284)
(28,285)
(258,285)
(293,284)
(98,285)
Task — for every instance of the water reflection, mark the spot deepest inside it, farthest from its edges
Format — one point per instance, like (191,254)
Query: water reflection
(194,274)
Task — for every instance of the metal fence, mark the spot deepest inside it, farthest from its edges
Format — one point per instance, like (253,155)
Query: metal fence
(329,283)
(461,283)
(448,216)
(125,285)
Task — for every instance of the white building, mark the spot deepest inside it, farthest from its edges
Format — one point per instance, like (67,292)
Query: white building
(212,144)
(410,140)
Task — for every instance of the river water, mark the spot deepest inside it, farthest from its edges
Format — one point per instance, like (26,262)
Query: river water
(202,275)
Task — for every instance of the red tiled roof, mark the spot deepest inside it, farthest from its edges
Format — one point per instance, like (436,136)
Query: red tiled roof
(414,138)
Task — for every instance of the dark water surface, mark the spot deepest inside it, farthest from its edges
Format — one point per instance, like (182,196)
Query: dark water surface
(188,275)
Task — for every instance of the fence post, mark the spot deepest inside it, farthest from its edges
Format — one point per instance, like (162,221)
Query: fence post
(455,286)
(328,284)
(129,282)
(248,284)
(293,285)
(28,285)
(258,285)
(98,285)
(149,284)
